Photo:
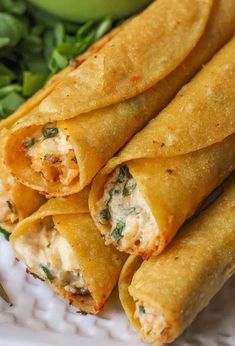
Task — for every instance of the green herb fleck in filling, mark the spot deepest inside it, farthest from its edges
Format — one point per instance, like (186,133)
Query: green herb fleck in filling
(129,187)
(50,132)
(11,207)
(29,143)
(117,232)
(141,310)
(5,233)
(123,174)
(104,216)
(47,272)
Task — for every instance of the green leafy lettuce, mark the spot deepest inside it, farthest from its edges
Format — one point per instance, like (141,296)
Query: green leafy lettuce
(35,45)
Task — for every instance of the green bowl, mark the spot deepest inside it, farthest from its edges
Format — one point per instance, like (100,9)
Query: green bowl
(80,10)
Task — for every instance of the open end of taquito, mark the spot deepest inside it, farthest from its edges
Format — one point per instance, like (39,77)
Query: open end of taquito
(149,321)
(16,200)
(60,244)
(163,295)
(43,158)
(140,206)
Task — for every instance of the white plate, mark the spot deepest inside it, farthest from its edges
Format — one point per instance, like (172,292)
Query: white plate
(39,318)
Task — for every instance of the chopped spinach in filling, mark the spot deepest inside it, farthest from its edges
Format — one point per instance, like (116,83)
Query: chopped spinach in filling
(47,272)
(154,326)
(50,132)
(28,143)
(141,309)
(122,185)
(49,255)
(8,211)
(51,154)
(117,232)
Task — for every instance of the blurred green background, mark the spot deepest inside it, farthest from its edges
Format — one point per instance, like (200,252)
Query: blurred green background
(90,9)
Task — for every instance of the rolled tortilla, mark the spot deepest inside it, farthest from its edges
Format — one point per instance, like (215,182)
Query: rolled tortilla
(92,135)
(16,200)
(163,295)
(61,245)
(143,196)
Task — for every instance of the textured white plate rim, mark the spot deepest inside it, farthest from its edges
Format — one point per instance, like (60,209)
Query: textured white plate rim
(12,336)
(39,318)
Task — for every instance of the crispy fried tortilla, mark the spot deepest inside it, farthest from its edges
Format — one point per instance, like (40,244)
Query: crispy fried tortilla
(61,245)
(143,196)
(163,295)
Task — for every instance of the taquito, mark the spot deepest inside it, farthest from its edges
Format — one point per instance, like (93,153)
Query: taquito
(163,295)
(143,196)
(16,200)
(97,108)
(61,245)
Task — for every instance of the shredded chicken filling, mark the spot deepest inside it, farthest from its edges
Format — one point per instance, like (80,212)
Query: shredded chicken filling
(50,256)
(8,213)
(154,326)
(52,155)
(125,210)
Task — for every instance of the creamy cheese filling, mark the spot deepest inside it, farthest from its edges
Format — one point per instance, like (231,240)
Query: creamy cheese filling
(124,209)
(52,155)
(49,255)
(8,213)
(154,327)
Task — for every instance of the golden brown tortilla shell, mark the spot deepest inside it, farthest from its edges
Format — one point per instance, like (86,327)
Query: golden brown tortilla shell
(181,155)
(200,115)
(100,265)
(144,52)
(179,283)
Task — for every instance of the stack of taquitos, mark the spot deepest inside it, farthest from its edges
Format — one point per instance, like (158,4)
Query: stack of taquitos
(134,76)
(143,196)
(163,295)
(60,244)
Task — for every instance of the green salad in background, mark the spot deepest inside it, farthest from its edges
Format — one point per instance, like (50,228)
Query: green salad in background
(35,45)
